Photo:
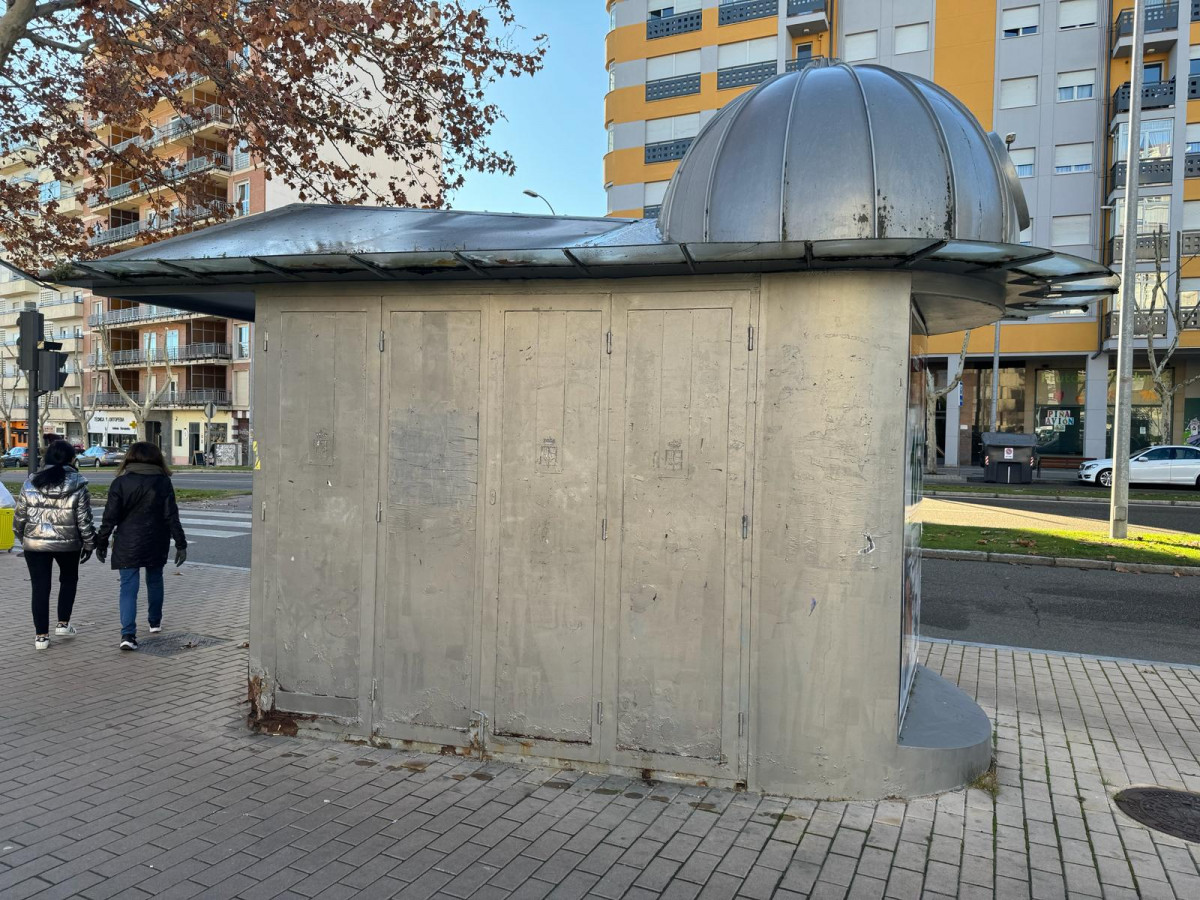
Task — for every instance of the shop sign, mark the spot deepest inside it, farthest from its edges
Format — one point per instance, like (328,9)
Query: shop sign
(112,423)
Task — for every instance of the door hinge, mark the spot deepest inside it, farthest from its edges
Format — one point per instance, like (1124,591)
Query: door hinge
(745,527)
(599,712)
(741,724)
(608,342)
(604,529)
(266,340)
(381,341)
(750,339)
(263,513)
(379,511)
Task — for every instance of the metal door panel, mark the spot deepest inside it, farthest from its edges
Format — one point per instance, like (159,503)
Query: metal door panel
(427,613)
(549,525)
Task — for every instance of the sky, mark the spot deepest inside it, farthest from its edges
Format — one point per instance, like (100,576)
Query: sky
(555,120)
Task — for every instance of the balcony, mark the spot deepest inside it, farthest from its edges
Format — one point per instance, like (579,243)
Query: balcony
(795,65)
(679,86)
(680,23)
(1157,95)
(665,151)
(1189,318)
(1191,165)
(807,17)
(1191,243)
(137,314)
(1145,324)
(1161,23)
(169,399)
(651,212)
(1194,87)
(732,11)
(1150,171)
(115,235)
(209,161)
(184,126)
(741,76)
(16,286)
(188,353)
(1145,248)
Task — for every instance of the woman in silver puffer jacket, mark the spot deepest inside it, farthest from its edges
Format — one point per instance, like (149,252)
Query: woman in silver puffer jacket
(53,521)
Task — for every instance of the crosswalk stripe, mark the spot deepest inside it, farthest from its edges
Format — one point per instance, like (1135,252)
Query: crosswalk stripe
(212,513)
(224,523)
(208,532)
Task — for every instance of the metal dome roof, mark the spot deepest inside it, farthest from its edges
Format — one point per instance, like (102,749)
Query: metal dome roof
(841,152)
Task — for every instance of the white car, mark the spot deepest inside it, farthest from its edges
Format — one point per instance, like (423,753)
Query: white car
(1155,465)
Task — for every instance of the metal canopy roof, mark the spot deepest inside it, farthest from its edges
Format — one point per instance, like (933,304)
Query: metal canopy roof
(215,270)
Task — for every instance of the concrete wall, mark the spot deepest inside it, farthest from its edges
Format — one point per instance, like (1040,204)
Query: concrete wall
(589,522)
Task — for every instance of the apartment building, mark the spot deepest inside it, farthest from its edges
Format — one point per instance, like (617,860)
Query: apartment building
(1054,74)
(64,316)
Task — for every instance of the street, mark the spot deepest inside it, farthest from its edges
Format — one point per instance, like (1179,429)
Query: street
(216,480)
(1021,512)
(1153,617)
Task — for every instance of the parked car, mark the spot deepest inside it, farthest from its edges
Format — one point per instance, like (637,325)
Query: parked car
(92,456)
(15,458)
(1174,464)
(112,457)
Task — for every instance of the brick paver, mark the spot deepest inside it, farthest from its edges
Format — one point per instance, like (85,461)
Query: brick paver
(131,775)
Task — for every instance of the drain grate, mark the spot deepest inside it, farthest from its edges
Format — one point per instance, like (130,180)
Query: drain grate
(1176,813)
(176,642)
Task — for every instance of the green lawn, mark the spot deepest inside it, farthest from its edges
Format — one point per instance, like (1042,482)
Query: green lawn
(183,495)
(1054,490)
(1162,549)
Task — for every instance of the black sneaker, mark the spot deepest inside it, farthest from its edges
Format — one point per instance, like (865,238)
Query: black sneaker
(128,643)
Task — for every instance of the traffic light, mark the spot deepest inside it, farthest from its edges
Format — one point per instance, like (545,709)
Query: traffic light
(52,370)
(32,326)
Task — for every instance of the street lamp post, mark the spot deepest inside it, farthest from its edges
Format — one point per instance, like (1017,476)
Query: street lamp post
(535,195)
(1118,510)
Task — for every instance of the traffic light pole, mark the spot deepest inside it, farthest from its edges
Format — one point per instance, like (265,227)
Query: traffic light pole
(34,441)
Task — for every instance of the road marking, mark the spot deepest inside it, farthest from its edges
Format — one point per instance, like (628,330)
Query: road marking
(214,514)
(208,532)
(224,523)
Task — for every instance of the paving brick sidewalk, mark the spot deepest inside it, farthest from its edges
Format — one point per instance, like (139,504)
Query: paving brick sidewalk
(131,775)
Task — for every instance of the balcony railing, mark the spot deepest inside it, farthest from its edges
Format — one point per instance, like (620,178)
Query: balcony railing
(211,160)
(158,355)
(1163,17)
(665,151)
(1191,165)
(1145,247)
(1150,171)
(1156,95)
(112,235)
(214,114)
(60,300)
(1145,323)
(171,398)
(740,76)
(795,65)
(1194,87)
(136,314)
(679,86)
(805,7)
(680,23)
(651,212)
(732,11)
(1189,317)
(1191,243)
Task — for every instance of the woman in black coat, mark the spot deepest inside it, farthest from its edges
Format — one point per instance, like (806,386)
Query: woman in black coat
(141,508)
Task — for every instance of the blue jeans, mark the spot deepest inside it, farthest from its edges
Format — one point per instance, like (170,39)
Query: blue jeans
(129,592)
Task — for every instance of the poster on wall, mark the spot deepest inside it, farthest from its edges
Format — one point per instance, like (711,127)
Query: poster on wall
(1191,421)
(914,468)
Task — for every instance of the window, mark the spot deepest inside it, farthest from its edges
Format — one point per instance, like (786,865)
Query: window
(864,45)
(1076,85)
(912,38)
(673,65)
(1072,158)
(744,53)
(662,11)
(1070,231)
(1194,59)
(655,191)
(1193,137)
(612,79)
(1023,160)
(1076,13)
(803,54)
(1154,143)
(1016,92)
(612,137)
(1152,73)
(672,128)
(1153,213)
(1191,215)
(1019,22)
(241,198)
(1188,453)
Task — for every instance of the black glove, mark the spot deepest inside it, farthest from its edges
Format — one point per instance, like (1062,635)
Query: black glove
(180,556)
(84,555)
(102,552)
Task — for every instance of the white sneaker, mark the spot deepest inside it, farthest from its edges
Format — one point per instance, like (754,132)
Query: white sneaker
(155,629)
(41,642)
(67,630)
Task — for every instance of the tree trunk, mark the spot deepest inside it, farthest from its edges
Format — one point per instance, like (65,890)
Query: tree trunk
(931,399)
(1167,399)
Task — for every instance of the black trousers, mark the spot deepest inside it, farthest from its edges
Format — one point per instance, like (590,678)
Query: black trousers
(41,575)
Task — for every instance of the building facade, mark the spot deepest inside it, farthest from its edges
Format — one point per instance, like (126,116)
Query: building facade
(1052,75)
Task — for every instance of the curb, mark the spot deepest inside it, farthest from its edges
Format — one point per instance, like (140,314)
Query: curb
(1061,562)
(987,495)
